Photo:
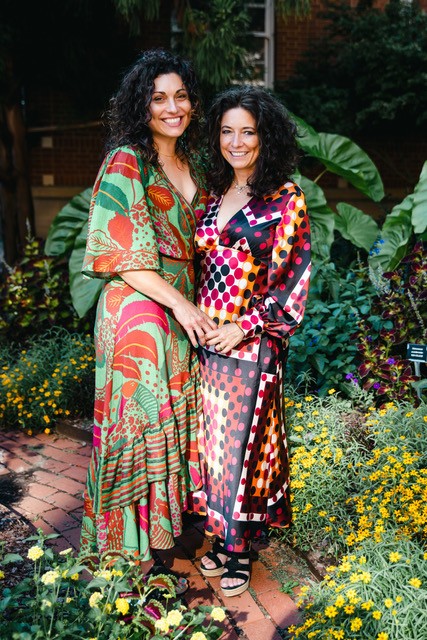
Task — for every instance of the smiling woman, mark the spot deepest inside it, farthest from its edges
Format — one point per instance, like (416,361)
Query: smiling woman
(146,199)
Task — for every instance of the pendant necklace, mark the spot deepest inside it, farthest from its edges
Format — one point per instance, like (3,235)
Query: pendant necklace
(239,187)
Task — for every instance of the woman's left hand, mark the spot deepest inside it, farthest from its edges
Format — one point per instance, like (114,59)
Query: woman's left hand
(225,337)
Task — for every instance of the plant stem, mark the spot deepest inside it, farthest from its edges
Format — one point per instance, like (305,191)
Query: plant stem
(322,173)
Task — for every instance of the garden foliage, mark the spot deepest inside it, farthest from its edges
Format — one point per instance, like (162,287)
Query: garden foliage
(359,488)
(94,597)
(44,381)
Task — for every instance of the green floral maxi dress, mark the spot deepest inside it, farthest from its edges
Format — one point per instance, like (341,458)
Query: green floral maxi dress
(144,459)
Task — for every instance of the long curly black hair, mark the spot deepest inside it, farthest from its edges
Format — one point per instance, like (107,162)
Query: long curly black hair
(278,149)
(129,115)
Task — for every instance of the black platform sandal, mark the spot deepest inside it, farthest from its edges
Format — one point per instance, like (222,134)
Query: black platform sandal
(233,568)
(212,554)
(159,569)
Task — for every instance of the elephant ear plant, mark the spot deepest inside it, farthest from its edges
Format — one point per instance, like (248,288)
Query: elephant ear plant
(67,239)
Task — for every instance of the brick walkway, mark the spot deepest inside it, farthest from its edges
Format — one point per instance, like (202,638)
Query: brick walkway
(52,472)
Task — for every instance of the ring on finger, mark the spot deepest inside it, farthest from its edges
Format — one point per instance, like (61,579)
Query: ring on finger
(219,348)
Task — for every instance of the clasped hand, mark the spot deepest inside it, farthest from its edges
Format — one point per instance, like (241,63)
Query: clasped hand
(195,322)
(225,337)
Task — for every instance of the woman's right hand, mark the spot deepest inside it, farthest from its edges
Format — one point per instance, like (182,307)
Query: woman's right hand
(195,322)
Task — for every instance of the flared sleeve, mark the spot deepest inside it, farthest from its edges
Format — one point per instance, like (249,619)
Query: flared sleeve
(280,308)
(121,236)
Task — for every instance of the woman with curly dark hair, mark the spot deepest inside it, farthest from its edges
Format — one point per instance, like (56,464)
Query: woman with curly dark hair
(146,199)
(255,245)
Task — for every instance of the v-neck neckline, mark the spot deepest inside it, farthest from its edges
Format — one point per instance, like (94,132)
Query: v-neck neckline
(231,217)
(177,191)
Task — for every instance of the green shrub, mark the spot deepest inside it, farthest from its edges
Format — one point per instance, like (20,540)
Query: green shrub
(44,382)
(60,602)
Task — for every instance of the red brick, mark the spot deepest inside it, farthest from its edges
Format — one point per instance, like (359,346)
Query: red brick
(59,519)
(65,456)
(86,450)
(261,630)
(65,444)
(73,537)
(281,608)
(262,579)
(77,473)
(69,486)
(32,457)
(177,560)
(45,478)
(64,501)
(54,465)
(199,593)
(32,506)
(16,465)
(3,470)
(40,490)
(41,524)
(243,608)
(229,633)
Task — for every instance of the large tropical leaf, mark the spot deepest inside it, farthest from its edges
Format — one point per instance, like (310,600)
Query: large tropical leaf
(320,215)
(395,235)
(343,157)
(84,292)
(356,226)
(67,225)
(419,212)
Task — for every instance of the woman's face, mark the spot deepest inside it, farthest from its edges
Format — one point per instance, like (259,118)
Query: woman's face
(170,107)
(239,140)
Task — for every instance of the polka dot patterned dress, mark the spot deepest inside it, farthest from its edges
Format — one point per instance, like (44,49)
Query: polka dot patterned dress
(255,273)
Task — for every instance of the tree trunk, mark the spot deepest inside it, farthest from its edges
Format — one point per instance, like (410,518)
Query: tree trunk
(15,192)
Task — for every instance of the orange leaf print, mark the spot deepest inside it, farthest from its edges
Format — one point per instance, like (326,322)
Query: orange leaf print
(128,388)
(121,230)
(113,300)
(160,197)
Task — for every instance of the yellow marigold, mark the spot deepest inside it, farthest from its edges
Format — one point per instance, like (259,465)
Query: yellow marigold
(68,600)
(394,556)
(399,599)
(308,398)
(122,605)
(331,611)
(382,636)
(367,605)
(50,577)
(174,617)
(349,608)
(365,577)
(162,625)
(376,615)
(1,575)
(415,582)
(362,560)
(331,391)
(340,601)
(388,602)
(74,576)
(198,636)
(218,614)
(46,419)
(356,624)
(344,567)
(34,553)
(94,599)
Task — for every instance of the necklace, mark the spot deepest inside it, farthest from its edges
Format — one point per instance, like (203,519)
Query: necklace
(239,187)
(166,155)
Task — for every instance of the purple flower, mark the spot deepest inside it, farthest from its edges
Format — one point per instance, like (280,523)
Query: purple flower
(391,361)
(355,382)
(349,376)
(377,385)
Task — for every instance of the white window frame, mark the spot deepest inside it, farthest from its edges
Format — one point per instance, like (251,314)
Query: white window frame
(268,36)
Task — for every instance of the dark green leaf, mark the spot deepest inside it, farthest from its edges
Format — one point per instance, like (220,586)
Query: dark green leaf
(356,226)
(67,225)
(84,292)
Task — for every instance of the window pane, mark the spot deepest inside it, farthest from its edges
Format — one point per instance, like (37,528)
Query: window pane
(257,17)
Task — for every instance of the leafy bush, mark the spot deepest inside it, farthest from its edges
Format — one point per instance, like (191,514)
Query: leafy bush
(35,296)
(378,592)
(43,382)
(401,301)
(322,348)
(350,82)
(60,602)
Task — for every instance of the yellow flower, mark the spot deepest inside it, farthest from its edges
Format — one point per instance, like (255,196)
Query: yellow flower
(75,576)
(50,577)
(198,636)
(367,605)
(174,618)
(34,553)
(94,599)
(362,560)
(340,601)
(382,636)
(46,603)
(365,577)
(162,625)
(376,615)
(65,552)
(399,599)
(394,556)
(308,398)
(331,391)
(344,567)
(30,433)
(1,575)
(388,603)
(68,600)
(122,605)
(415,582)
(217,613)
(349,608)
(355,624)
(46,419)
